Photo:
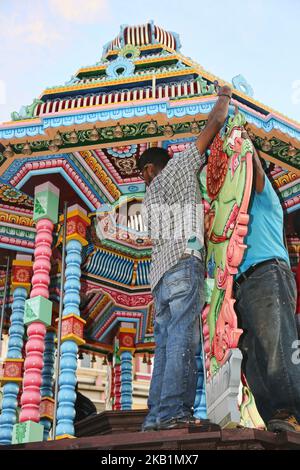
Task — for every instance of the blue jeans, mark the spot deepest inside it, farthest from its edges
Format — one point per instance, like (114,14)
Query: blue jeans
(178,299)
(266,305)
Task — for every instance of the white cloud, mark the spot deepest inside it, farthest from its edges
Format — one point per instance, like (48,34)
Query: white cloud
(81,11)
(31,30)
(37,32)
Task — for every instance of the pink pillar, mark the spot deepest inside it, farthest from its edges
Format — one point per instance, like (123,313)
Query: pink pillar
(38,315)
(42,255)
(31,396)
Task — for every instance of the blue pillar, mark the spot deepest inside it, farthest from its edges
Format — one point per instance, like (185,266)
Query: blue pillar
(200,410)
(47,376)
(126,380)
(15,345)
(67,394)
(69,348)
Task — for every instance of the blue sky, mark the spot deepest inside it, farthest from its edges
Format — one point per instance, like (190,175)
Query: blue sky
(44,42)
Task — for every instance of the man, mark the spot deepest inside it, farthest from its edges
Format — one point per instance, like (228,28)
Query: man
(265,295)
(177,271)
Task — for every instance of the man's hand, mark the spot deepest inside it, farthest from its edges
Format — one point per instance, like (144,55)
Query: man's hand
(225,90)
(216,119)
(259,172)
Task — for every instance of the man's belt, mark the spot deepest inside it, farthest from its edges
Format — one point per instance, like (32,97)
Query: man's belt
(197,253)
(252,268)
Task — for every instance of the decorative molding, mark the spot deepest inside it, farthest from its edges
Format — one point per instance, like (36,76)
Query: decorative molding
(190,107)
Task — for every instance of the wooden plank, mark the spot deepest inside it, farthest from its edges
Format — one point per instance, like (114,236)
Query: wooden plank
(176,439)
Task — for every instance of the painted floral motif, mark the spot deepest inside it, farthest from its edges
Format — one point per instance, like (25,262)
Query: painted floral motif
(216,168)
(66,327)
(39,208)
(123,151)
(12,370)
(126,167)
(11,195)
(21,432)
(128,341)
(46,407)
(71,227)
(23,275)
(81,229)
(78,329)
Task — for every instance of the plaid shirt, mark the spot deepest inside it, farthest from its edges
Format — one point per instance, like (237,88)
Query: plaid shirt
(172,211)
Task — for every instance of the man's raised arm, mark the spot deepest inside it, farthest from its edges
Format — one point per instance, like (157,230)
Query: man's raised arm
(216,119)
(194,157)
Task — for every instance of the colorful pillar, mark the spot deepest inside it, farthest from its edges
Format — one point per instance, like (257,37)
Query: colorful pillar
(12,377)
(200,399)
(47,403)
(20,389)
(112,388)
(72,324)
(126,336)
(116,376)
(109,386)
(38,315)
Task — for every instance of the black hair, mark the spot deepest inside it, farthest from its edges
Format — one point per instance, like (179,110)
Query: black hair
(156,155)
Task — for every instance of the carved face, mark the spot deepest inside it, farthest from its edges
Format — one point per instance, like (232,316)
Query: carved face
(234,139)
